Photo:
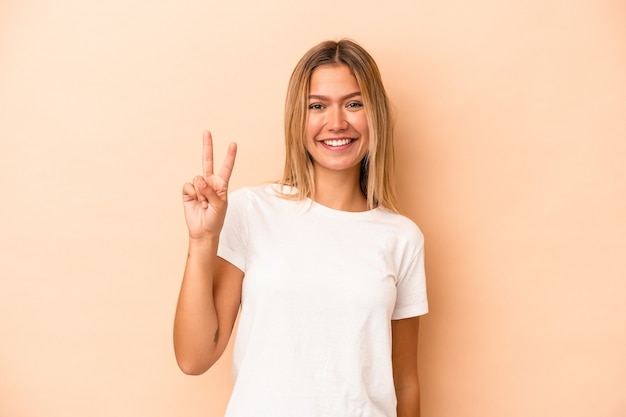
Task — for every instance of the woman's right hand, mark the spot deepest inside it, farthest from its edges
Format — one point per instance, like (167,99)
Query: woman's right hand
(206,198)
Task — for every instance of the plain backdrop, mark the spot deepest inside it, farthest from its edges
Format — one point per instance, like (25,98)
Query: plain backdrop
(511,142)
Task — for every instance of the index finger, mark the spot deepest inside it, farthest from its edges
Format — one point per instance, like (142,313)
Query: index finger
(207,154)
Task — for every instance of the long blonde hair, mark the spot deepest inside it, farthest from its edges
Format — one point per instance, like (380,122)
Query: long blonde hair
(376,178)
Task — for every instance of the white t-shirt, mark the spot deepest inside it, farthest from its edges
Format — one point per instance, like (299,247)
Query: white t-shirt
(321,287)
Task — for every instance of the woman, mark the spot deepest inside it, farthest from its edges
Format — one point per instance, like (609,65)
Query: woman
(334,278)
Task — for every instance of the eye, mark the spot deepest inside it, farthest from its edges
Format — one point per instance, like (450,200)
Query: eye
(316,106)
(354,105)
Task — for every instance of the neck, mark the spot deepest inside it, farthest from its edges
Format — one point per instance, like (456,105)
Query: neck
(339,191)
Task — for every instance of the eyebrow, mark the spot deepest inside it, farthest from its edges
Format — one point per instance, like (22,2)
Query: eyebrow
(346,97)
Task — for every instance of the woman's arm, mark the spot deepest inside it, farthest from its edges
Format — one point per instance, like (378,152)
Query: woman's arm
(404,357)
(210,293)
(208,303)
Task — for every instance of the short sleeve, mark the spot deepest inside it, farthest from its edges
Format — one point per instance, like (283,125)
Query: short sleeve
(411,298)
(234,236)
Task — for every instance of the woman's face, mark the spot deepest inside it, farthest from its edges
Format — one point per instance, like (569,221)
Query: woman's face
(337,134)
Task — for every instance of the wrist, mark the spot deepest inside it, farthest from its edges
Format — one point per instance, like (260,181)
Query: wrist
(203,244)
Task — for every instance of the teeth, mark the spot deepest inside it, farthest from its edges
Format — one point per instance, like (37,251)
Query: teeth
(337,142)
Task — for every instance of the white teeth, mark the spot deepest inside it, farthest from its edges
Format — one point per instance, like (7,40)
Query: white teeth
(337,142)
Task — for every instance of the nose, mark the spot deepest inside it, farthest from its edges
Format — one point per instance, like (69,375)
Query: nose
(336,120)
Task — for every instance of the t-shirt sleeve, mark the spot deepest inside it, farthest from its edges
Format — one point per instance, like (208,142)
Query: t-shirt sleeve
(234,236)
(411,299)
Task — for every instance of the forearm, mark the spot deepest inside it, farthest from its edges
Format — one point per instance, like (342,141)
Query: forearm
(408,402)
(196,323)
(404,357)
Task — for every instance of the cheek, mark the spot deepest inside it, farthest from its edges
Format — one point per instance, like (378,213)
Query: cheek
(309,133)
(364,131)
(312,127)
(360,124)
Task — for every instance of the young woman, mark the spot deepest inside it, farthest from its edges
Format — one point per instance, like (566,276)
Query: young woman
(328,276)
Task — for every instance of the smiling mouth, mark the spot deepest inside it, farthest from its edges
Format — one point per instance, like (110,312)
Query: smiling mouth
(337,142)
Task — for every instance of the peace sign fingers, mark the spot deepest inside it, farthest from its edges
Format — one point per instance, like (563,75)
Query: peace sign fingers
(207,159)
(205,198)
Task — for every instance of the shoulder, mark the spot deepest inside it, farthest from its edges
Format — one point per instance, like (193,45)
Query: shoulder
(401,225)
(259,195)
(250,192)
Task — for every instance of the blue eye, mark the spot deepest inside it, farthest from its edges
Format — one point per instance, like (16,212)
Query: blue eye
(354,105)
(316,106)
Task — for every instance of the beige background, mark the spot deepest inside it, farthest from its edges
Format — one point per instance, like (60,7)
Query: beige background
(511,136)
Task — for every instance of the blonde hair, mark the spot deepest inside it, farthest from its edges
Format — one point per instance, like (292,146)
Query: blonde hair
(377,167)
